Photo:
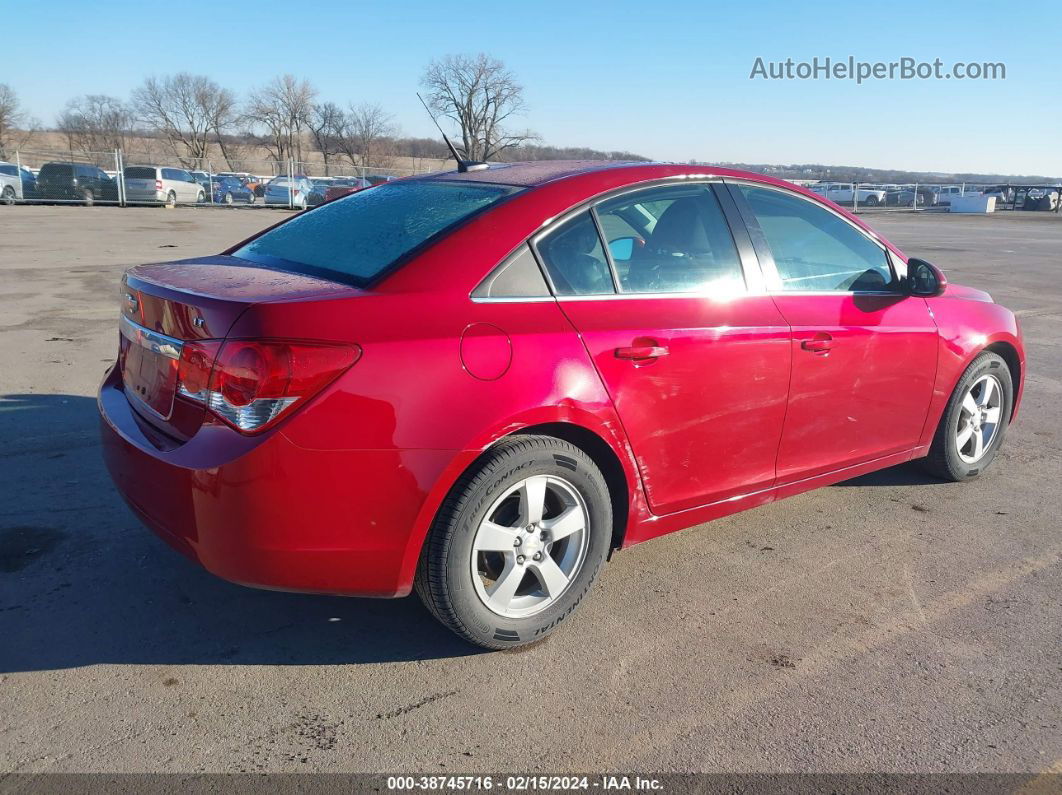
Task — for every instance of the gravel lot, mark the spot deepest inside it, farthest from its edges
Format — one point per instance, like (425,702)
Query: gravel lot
(889,623)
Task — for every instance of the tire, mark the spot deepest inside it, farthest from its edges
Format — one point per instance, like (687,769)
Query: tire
(250,199)
(199,199)
(949,457)
(572,486)
(87,198)
(872,201)
(171,199)
(8,196)
(227,199)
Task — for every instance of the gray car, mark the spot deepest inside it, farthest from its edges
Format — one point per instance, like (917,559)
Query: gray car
(162,185)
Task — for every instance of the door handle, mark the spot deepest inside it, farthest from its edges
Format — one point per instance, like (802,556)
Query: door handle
(642,352)
(820,343)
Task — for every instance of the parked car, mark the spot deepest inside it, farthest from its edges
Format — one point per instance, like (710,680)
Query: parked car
(379,179)
(905,197)
(945,193)
(289,192)
(229,190)
(16,183)
(478,385)
(203,179)
(75,182)
(1003,194)
(843,194)
(344,187)
(161,185)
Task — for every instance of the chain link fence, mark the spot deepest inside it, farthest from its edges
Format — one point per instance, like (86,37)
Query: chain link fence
(940,197)
(137,177)
(132,178)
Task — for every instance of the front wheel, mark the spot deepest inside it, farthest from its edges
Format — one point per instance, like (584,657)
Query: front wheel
(227,199)
(974,421)
(518,543)
(87,198)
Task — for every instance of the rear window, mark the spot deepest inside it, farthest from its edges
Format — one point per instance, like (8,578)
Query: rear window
(359,237)
(57,170)
(139,172)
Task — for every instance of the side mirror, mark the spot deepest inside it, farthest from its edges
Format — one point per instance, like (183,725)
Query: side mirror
(621,249)
(924,278)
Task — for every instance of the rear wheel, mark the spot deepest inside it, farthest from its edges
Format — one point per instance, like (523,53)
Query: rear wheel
(872,201)
(87,198)
(974,421)
(8,196)
(518,543)
(171,199)
(227,199)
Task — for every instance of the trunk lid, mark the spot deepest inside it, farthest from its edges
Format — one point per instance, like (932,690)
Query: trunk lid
(165,305)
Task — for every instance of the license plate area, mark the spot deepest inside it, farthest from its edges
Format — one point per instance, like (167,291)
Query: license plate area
(149,367)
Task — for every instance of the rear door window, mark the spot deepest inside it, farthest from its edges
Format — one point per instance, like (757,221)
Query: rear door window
(358,238)
(139,172)
(671,240)
(574,257)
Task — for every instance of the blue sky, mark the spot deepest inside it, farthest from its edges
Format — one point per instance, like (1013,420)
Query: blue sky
(666,79)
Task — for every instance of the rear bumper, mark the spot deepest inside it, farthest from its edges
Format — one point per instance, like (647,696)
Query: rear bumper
(266,512)
(145,195)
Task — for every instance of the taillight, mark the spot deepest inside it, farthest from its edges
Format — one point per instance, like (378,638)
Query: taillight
(251,384)
(158,184)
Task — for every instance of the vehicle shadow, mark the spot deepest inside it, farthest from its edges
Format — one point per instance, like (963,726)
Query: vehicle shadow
(82,582)
(909,474)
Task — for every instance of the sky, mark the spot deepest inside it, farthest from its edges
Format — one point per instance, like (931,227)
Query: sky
(667,79)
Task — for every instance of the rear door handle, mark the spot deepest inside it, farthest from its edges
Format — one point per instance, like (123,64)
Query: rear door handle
(820,343)
(642,352)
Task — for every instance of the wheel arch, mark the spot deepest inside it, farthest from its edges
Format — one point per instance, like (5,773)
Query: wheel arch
(1009,354)
(621,476)
(604,456)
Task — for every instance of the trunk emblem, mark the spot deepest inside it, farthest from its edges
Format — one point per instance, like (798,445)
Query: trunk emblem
(198,321)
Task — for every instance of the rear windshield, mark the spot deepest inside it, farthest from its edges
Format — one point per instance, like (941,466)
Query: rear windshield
(140,172)
(359,237)
(58,169)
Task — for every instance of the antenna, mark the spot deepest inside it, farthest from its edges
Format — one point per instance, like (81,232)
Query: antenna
(462,164)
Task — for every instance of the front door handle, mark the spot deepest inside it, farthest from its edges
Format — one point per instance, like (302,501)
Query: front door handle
(642,352)
(820,343)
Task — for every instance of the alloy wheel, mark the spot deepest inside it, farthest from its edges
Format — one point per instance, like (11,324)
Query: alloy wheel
(530,546)
(979,418)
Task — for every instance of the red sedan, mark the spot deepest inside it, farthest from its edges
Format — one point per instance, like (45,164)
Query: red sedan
(479,384)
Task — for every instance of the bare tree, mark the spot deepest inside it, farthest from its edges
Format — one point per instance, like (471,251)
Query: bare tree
(223,114)
(96,123)
(187,110)
(282,110)
(326,124)
(15,124)
(479,94)
(368,135)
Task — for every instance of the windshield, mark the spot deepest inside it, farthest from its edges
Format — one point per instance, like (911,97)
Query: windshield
(359,237)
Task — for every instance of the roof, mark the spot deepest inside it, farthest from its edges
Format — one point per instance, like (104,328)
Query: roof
(532,173)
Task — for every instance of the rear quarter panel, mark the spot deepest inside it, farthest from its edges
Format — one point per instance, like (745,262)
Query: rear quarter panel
(412,400)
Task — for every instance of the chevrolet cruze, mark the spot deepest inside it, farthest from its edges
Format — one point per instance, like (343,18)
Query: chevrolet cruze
(478,384)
